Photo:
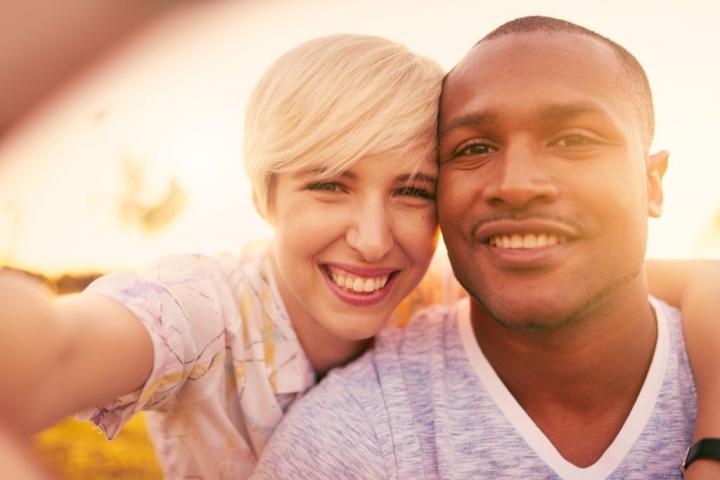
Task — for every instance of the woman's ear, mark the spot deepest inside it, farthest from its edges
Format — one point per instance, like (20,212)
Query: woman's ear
(258,205)
(656,166)
(264,208)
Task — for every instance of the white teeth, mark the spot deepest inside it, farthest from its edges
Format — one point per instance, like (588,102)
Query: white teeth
(526,241)
(357,284)
(529,241)
(541,240)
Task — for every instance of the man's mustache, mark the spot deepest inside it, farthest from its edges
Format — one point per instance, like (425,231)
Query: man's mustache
(577,225)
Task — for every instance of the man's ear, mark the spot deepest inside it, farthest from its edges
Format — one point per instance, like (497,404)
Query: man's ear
(656,166)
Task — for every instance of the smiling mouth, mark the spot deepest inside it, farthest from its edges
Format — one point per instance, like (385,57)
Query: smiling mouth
(526,241)
(357,284)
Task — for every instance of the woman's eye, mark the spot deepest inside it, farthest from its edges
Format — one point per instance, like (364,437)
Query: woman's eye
(324,187)
(416,192)
(474,149)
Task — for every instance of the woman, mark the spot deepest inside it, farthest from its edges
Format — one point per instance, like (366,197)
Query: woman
(339,147)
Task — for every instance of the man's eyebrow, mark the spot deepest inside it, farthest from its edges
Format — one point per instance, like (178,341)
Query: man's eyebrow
(553,113)
(475,120)
(560,112)
(419,176)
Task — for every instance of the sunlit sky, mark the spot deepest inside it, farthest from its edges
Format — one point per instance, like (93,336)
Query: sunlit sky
(172,102)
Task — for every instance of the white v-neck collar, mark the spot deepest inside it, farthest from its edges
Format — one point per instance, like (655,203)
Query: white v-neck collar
(536,439)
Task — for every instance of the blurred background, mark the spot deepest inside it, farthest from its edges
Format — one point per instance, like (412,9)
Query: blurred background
(121,127)
(138,153)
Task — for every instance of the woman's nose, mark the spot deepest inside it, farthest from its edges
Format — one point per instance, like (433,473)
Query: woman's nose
(370,233)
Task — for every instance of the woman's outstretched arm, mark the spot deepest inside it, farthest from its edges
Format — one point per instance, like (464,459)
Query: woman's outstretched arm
(59,355)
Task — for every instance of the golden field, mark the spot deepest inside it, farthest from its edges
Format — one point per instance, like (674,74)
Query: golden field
(78,451)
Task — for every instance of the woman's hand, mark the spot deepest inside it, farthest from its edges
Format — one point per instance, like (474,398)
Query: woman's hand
(59,355)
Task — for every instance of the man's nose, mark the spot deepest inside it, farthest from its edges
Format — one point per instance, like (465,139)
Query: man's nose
(370,232)
(520,178)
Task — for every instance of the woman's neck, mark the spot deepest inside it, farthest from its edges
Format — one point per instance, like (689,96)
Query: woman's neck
(324,350)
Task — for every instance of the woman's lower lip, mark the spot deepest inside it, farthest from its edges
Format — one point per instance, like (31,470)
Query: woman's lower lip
(360,299)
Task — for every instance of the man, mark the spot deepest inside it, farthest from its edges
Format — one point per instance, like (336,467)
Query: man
(558,366)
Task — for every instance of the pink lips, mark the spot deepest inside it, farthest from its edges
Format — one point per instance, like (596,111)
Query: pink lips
(361,299)
(363,271)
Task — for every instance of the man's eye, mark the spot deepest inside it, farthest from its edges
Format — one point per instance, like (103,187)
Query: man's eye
(572,140)
(416,192)
(474,149)
(324,187)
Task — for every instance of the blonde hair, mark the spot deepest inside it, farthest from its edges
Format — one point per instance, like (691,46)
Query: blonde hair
(331,101)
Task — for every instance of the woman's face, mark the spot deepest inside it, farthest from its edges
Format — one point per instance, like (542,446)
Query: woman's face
(348,249)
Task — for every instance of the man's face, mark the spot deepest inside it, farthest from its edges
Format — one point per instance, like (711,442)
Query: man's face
(544,184)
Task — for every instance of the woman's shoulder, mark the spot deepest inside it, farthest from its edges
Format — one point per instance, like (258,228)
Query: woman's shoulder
(226,270)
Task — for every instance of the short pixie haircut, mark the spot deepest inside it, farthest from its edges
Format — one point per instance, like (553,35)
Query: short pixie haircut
(334,100)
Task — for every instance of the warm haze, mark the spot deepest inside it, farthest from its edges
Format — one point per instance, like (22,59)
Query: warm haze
(141,155)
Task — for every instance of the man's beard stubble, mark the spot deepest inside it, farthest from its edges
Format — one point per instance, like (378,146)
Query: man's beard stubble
(601,301)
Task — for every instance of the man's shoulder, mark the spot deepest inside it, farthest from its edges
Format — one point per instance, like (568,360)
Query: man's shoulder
(366,382)
(381,376)
(357,377)
(329,431)
(429,318)
(421,335)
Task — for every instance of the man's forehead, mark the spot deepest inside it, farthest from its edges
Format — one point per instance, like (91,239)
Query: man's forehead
(528,60)
(535,48)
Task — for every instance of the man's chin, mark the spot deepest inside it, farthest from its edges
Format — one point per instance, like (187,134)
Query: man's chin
(529,324)
(528,318)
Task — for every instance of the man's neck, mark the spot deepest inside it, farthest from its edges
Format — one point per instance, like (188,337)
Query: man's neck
(579,381)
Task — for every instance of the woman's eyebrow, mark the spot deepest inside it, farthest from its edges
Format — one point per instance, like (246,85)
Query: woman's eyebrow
(313,172)
(405,177)
(419,176)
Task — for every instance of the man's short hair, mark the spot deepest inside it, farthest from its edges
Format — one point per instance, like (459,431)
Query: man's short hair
(640,93)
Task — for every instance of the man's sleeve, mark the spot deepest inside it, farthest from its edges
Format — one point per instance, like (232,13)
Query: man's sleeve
(325,436)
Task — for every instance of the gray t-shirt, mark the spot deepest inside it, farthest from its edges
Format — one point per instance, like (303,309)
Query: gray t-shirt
(425,403)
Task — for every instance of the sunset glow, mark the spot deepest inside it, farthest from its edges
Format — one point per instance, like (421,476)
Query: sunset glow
(142,155)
